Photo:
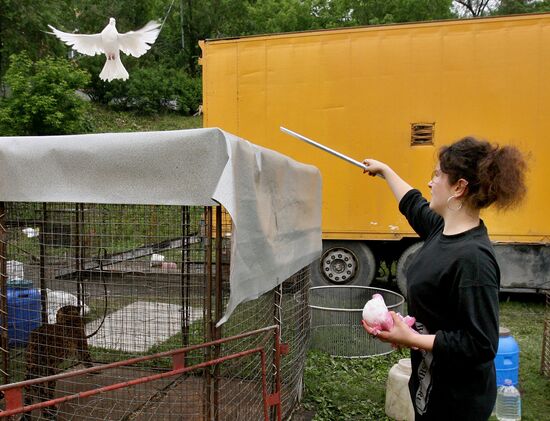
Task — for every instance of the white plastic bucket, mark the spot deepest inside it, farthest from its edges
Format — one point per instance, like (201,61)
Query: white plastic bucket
(398,400)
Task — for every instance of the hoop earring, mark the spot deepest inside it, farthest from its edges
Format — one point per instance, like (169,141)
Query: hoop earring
(449,202)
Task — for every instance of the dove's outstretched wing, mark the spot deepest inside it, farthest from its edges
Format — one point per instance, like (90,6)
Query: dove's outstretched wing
(89,44)
(136,43)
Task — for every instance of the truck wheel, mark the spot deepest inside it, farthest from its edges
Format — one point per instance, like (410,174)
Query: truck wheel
(344,263)
(403,264)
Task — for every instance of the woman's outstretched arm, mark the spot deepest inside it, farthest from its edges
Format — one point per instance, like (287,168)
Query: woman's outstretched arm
(397,185)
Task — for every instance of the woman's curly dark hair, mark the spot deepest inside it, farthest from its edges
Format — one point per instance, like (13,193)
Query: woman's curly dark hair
(495,174)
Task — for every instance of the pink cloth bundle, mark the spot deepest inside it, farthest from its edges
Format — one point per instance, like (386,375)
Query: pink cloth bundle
(377,316)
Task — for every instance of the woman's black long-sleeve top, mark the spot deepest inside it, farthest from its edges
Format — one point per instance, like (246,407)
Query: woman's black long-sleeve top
(452,288)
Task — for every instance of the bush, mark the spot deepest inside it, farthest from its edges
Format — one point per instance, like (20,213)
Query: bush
(154,89)
(42,98)
(98,90)
(190,95)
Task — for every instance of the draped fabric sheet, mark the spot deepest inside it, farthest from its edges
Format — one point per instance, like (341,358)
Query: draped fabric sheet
(274,201)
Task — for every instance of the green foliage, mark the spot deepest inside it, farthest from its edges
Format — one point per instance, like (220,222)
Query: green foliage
(92,16)
(157,88)
(347,389)
(108,120)
(374,12)
(22,26)
(150,89)
(193,21)
(294,15)
(508,7)
(271,16)
(43,100)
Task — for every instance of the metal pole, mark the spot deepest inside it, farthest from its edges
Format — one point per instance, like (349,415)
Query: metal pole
(219,304)
(277,320)
(4,294)
(78,250)
(42,259)
(208,323)
(327,149)
(185,279)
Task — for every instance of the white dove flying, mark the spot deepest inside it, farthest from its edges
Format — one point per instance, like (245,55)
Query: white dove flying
(110,43)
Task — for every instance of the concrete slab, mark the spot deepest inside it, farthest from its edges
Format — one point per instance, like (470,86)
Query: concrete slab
(139,326)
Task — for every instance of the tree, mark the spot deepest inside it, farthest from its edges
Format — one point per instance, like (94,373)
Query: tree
(509,7)
(474,8)
(22,26)
(42,100)
(366,12)
(229,18)
(203,20)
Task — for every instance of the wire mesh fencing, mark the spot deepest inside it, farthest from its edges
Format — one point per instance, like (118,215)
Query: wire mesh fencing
(99,285)
(336,313)
(545,358)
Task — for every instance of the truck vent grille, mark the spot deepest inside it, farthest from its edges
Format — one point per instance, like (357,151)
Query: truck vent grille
(422,134)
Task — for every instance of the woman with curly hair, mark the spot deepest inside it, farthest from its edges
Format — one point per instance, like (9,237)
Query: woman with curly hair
(453,280)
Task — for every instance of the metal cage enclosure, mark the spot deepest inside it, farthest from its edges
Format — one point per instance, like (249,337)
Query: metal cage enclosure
(150,283)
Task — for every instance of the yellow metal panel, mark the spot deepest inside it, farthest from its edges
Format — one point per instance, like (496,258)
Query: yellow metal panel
(358,91)
(220,92)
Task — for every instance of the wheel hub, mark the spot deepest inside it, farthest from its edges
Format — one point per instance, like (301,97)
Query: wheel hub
(339,265)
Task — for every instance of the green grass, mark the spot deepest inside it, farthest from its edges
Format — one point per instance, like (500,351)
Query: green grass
(354,389)
(524,316)
(106,120)
(347,389)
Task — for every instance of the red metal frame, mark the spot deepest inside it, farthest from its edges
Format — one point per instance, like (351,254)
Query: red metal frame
(14,392)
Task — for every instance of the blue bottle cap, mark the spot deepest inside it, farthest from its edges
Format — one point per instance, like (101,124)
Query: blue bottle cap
(507,382)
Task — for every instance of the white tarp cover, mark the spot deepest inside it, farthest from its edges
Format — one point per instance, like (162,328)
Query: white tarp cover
(274,201)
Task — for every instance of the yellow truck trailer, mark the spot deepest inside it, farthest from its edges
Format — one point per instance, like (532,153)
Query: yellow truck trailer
(395,93)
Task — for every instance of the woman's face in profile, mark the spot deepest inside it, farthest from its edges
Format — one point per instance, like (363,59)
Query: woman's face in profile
(440,189)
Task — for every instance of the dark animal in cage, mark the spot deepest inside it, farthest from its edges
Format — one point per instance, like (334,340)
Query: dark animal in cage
(49,346)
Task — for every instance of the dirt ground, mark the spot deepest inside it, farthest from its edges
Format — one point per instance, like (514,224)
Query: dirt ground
(174,398)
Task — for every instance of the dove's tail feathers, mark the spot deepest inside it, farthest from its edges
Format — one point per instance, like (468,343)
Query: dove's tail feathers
(113,69)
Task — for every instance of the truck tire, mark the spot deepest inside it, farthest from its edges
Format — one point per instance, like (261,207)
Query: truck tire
(344,263)
(403,264)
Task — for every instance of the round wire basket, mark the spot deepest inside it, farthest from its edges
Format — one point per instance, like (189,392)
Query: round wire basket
(336,313)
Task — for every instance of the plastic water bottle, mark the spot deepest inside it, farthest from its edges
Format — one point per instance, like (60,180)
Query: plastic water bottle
(508,402)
